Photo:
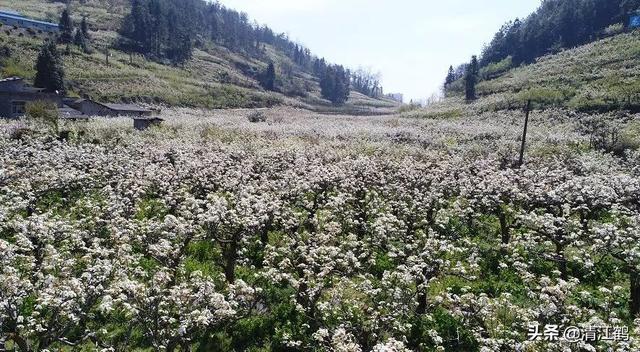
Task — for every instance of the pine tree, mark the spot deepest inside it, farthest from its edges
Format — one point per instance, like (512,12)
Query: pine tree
(66,27)
(80,40)
(170,29)
(328,82)
(451,77)
(335,85)
(342,88)
(296,55)
(179,42)
(319,67)
(158,27)
(84,27)
(164,29)
(49,69)
(139,24)
(269,77)
(471,79)
(181,50)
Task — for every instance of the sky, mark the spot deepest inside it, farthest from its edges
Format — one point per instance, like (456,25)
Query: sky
(411,43)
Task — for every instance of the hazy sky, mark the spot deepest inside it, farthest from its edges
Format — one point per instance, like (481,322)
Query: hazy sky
(411,42)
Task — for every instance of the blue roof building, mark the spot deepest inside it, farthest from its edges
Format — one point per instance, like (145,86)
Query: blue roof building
(12,18)
(634,21)
(10,13)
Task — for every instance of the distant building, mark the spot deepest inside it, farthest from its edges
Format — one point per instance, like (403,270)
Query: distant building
(128,110)
(142,123)
(396,97)
(68,113)
(15,93)
(93,108)
(634,20)
(12,18)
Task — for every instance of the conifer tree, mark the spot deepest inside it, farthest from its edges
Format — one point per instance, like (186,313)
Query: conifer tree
(139,24)
(49,69)
(179,42)
(170,30)
(471,79)
(80,40)
(319,67)
(328,82)
(84,27)
(341,94)
(66,27)
(158,27)
(451,77)
(335,85)
(269,77)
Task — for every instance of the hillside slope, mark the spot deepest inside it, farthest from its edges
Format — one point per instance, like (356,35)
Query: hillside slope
(603,75)
(215,78)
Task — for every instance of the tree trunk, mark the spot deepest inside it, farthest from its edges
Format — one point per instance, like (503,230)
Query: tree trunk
(230,262)
(264,236)
(504,228)
(422,301)
(18,340)
(431,217)
(304,299)
(634,304)
(422,292)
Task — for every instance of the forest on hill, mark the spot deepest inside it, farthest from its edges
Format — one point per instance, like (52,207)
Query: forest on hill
(170,29)
(555,25)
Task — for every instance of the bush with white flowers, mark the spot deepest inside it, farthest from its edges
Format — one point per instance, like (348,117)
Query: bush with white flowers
(315,234)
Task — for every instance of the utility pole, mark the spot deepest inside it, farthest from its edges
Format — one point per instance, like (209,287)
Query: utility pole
(524,134)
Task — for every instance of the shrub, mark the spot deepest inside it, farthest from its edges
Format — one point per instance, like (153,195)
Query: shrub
(629,139)
(455,88)
(45,112)
(294,88)
(19,133)
(614,29)
(496,69)
(624,92)
(408,108)
(257,116)
(5,52)
(586,102)
(610,134)
(543,96)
